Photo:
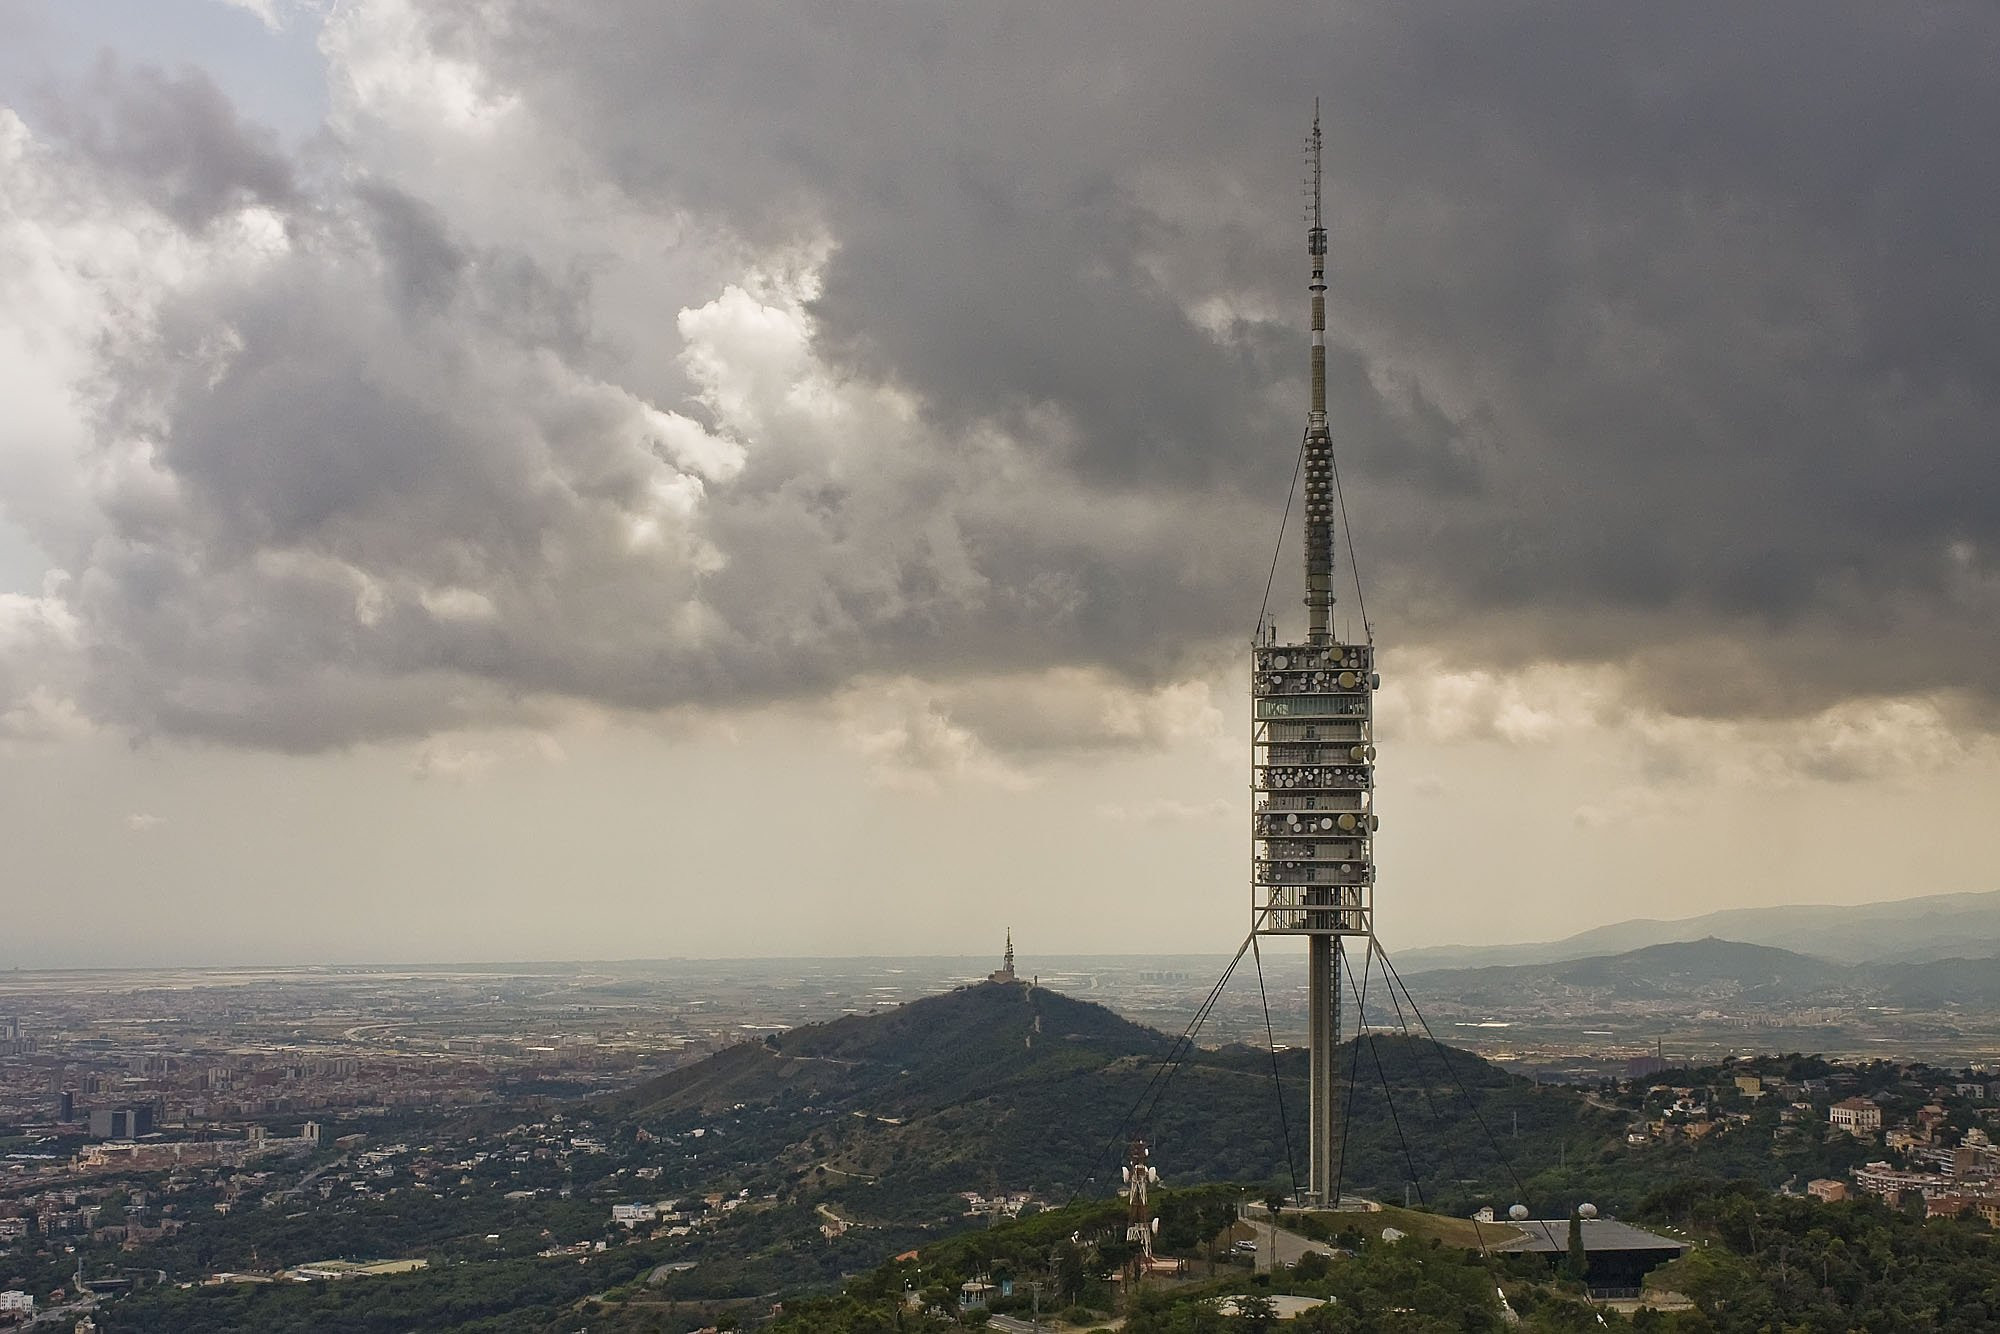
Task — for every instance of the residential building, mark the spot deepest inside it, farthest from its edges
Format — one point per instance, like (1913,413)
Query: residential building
(1857,1116)
(1892,1182)
(1950,1206)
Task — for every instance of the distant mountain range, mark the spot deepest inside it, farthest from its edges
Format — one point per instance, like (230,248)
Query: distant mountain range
(1713,970)
(1940,926)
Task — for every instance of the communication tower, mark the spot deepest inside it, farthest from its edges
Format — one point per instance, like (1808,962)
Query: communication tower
(1313,762)
(1141,1227)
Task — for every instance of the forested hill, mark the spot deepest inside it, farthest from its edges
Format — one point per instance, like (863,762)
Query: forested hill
(919,1056)
(1012,1087)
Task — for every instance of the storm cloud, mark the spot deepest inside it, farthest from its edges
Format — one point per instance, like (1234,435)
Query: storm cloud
(662,356)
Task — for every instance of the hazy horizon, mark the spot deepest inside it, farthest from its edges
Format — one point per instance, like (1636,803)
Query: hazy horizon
(1031,957)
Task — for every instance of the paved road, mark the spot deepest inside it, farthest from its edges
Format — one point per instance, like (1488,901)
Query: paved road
(1288,1247)
(56,1315)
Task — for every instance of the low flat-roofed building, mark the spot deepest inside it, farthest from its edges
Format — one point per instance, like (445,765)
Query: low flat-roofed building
(334,1270)
(1891,1182)
(1617,1255)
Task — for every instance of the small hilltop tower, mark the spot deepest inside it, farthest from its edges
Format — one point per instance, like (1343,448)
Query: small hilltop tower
(1005,972)
(1312,770)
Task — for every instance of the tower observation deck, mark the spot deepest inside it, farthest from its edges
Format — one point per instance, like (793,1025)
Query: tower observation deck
(1313,763)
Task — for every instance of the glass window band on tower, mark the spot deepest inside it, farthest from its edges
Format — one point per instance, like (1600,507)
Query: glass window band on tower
(1312,779)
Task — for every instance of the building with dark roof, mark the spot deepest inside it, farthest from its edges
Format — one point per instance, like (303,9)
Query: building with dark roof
(1617,1255)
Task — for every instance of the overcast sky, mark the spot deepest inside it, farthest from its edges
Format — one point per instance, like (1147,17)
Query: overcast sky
(493,479)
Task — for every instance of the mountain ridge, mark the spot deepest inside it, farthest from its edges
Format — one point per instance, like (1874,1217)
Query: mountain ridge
(1713,968)
(1913,930)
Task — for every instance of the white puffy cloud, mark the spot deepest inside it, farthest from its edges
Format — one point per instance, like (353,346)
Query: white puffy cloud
(39,650)
(264,11)
(374,458)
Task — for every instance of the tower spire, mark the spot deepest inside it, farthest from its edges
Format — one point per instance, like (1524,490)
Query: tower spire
(1319,442)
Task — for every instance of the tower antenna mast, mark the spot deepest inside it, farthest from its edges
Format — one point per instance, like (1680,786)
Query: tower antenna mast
(1319,441)
(1313,761)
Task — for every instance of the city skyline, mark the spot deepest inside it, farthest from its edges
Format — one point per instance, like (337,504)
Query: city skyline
(488,482)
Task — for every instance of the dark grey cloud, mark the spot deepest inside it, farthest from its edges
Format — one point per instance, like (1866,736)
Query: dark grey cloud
(174,136)
(1663,336)
(1662,325)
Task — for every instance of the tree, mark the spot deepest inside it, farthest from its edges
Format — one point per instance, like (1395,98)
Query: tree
(1071,1273)
(1256,1313)
(1579,1257)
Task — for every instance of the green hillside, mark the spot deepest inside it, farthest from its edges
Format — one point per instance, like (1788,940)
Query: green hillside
(920,1056)
(1011,1087)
